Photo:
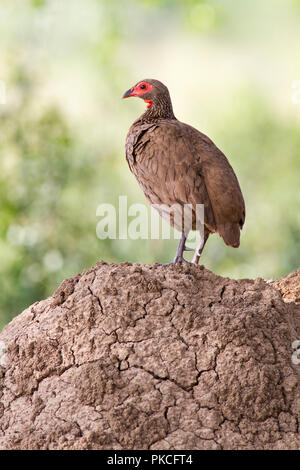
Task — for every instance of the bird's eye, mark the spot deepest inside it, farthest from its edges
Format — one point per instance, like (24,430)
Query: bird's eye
(143,87)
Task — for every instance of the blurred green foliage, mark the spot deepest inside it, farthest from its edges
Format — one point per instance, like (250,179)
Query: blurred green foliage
(229,66)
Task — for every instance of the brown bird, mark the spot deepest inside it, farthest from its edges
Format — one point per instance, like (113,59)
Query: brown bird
(176,165)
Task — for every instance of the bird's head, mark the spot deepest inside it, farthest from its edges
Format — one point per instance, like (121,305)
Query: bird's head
(151,91)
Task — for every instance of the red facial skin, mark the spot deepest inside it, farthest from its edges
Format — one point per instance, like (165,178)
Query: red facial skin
(139,91)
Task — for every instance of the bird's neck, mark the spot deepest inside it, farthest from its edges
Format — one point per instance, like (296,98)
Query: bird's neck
(161,108)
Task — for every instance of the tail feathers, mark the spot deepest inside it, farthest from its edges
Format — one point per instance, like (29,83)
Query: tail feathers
(230,233)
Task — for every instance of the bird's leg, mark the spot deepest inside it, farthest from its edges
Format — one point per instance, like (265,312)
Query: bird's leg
(200,247)
(181,248)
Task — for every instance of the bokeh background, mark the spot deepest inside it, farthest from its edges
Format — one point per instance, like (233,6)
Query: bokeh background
(230,67)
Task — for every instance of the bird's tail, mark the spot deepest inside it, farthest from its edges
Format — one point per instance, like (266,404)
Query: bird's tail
(230,232)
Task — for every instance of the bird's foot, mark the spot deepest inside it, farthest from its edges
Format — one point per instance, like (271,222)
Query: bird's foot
(180,259)
(177,259)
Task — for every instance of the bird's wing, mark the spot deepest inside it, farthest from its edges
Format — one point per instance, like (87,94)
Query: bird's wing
(168,168)
(222,186)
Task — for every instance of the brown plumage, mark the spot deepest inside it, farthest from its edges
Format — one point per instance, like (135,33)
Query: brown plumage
(174,163)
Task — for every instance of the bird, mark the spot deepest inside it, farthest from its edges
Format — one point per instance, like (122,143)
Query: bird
(177,165)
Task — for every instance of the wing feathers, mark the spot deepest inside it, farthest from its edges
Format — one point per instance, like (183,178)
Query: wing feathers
(173,162)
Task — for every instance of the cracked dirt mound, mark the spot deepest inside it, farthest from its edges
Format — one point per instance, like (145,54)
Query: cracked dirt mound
(289,287)
(152,357)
